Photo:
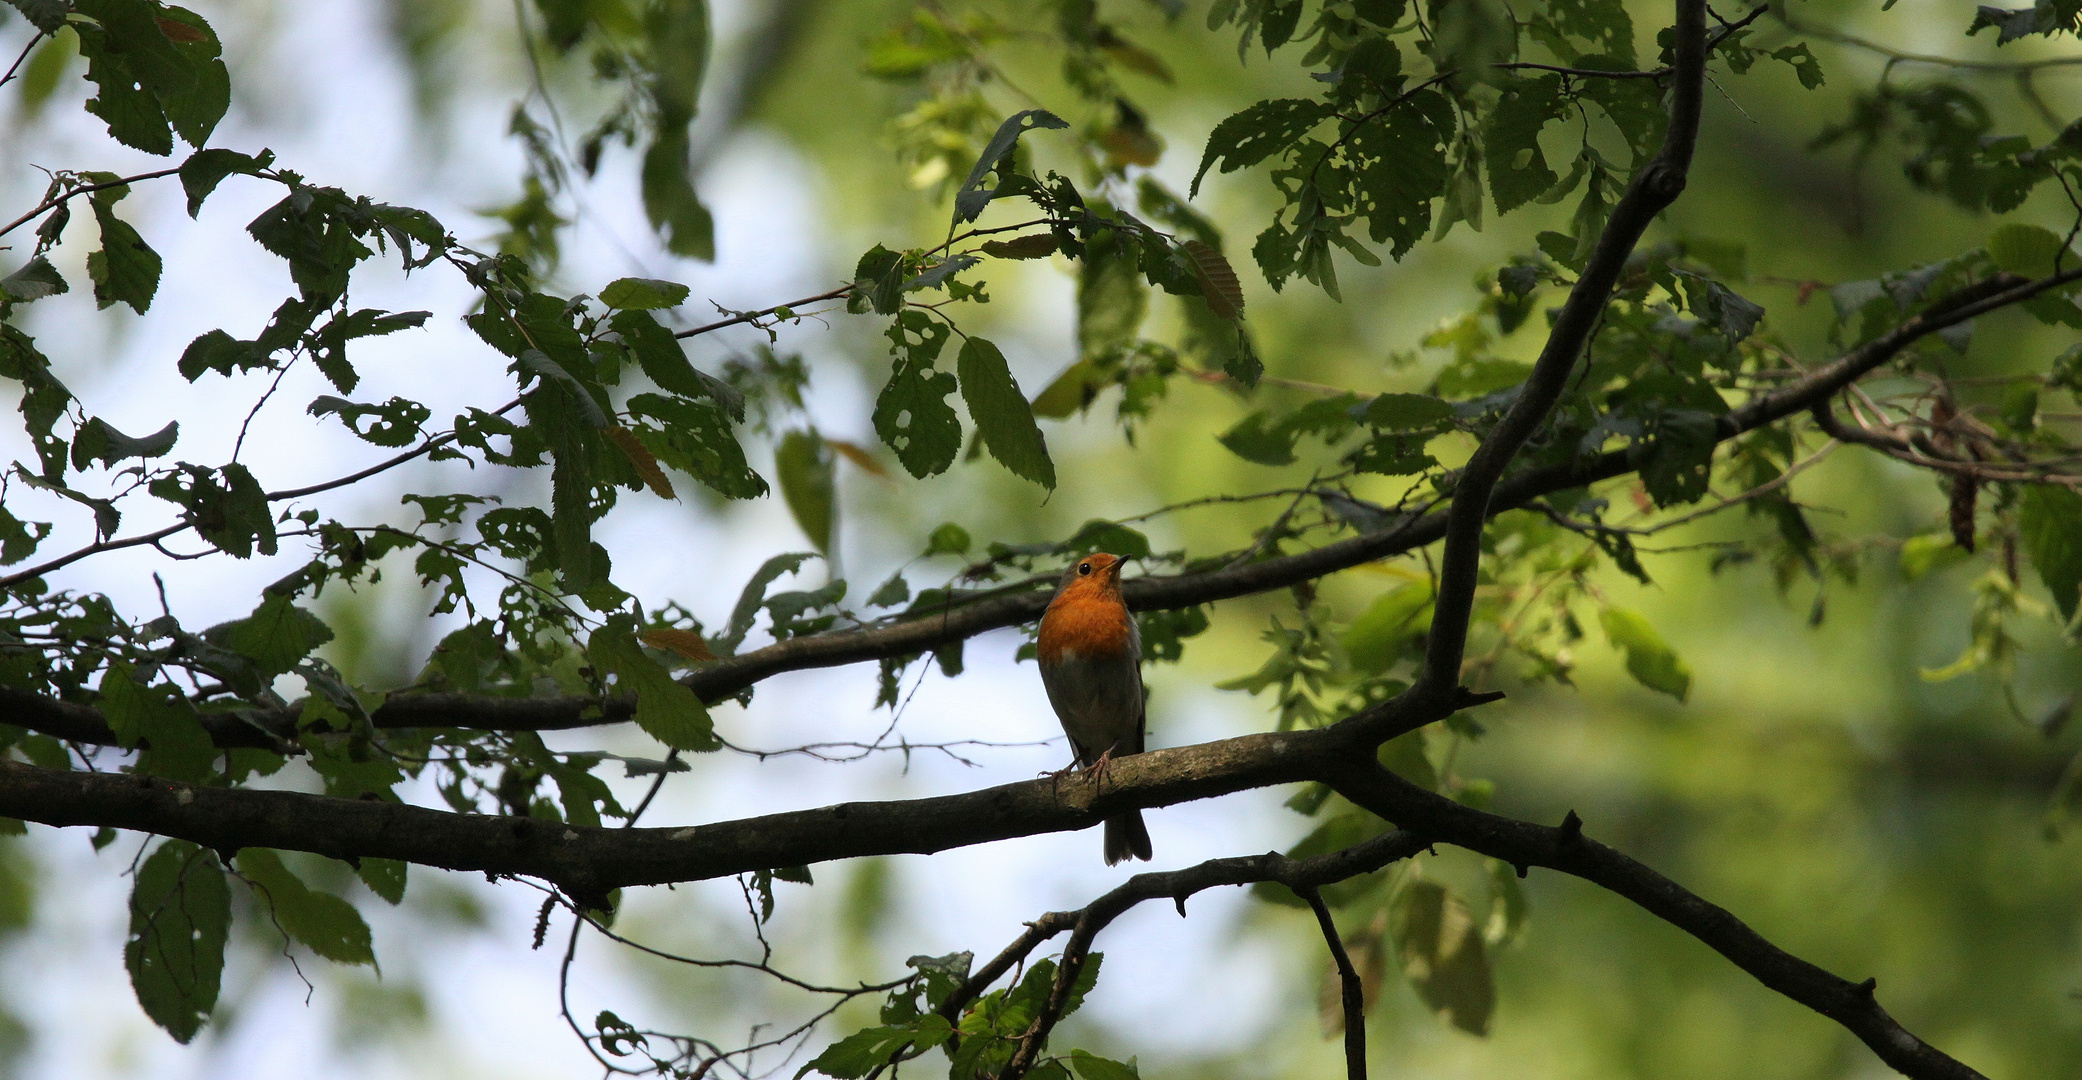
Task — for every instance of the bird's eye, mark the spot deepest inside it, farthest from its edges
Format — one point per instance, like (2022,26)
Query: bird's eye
(1084,568)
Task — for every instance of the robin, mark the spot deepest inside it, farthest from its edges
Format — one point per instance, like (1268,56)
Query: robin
(1091,663)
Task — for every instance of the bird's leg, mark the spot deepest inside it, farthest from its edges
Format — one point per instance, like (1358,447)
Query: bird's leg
(1099,768)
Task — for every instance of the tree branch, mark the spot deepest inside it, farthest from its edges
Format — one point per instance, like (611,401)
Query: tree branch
(1351,989)
(1566,849)
(588,862)
(1655,186)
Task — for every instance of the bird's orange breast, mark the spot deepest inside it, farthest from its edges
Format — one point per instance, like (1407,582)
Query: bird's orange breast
(1085,624)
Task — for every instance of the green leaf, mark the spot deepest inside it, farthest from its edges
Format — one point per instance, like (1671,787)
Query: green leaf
(1650,660)
(98,440)
(1112,296)
(2050,518)
(668,711)
(1803,62)
(46,15)
(205,169)
(642,294)
(911,413)
(948,539)
(35,280)
(803,465)
(157,68)
(277,636)
(324,923)
(1442,954)
(126,269)
(1251,440)
(970,200)
(1001,413)
(1108,536)
(1092,1067)
(1257,133)
(859,1053)
(670,202)
(1408,412)
(2024,249)
(156,716)
(180,915)
(659,354)
(1384,631)
(1518,170)
(754,597)
(384,877)
(696,437)
(1922,556)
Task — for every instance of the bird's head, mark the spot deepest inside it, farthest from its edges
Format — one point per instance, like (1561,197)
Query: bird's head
(1095,571)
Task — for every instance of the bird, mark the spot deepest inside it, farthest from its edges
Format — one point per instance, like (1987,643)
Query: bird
(1090,654)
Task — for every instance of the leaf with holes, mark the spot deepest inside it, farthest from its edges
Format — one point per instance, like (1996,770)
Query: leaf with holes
(911,412)
(1257,133)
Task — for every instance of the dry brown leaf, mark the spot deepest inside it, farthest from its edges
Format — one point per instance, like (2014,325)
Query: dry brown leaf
(178,31)
(1033,246)
(858,455)
(687,643)
(640,456)
(1217,279)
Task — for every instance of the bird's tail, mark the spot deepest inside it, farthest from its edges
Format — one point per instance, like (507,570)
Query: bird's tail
(1126,838)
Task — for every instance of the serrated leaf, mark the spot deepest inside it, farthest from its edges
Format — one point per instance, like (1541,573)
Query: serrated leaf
(34,280)
(126,269)
(666,710)
(277,636)
(1218,284)
(1001,413)
(1257,133)
(180,916)
(2050,519)
(804,470)
(1650,660)
(156,716)
(324,923)
(642,294)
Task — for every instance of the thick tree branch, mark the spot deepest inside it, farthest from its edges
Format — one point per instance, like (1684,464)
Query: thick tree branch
(1655,186)
(1566,849)
(588,862)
